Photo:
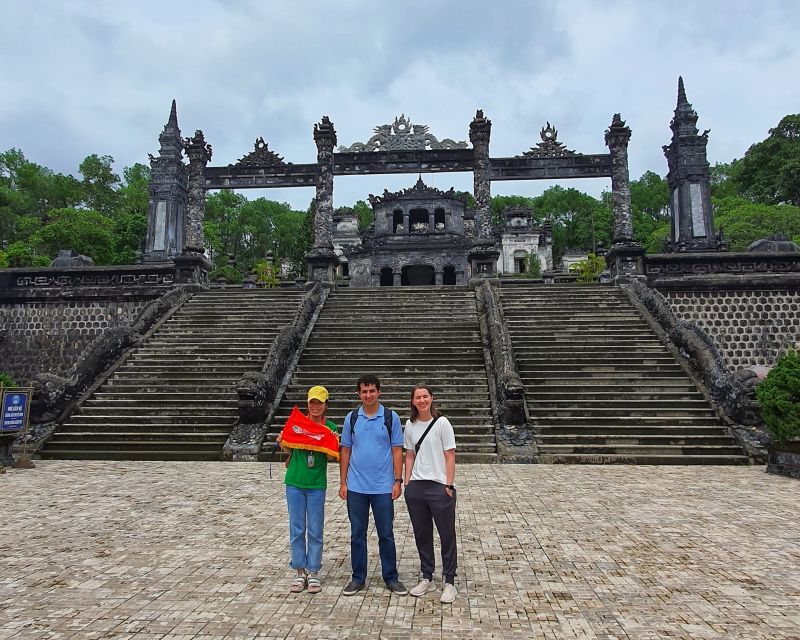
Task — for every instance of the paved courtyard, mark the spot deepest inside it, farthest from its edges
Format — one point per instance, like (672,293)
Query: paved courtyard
(200,550)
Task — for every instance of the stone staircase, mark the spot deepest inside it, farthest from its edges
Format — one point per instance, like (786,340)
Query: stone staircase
(404,335)
(601,387)
(174,398)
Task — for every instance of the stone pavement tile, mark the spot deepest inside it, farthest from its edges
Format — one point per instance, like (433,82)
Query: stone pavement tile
(200,550)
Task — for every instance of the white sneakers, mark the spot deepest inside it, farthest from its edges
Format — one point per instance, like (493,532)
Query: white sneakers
(449,592)
(422,588)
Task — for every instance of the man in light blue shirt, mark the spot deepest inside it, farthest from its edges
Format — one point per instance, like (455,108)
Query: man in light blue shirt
(371,463)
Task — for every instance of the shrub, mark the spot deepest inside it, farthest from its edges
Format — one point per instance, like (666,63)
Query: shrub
(267,274)
(229,273)
(589,270)
(779,395)
(7,380)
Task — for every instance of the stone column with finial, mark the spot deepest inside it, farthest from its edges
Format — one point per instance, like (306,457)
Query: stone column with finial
(199,153)
(167,195)
(617,137)
(192,264)
(625,258)
(322,260)
(483,256)
(689,183)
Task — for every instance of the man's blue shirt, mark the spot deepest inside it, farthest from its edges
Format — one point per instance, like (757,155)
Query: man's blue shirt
(371,469)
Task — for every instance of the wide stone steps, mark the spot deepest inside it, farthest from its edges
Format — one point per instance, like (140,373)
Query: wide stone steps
(404,335)
(601,388)
(174,398)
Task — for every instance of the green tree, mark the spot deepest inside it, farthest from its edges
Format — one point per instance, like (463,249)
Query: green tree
(498,203)
(650,210)
(83,230)
(723,183)
(579,220)
(770,170)
(100,184)
(744,222)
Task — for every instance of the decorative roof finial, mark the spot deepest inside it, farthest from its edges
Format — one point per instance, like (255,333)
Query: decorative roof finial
(681,92)
(173,115)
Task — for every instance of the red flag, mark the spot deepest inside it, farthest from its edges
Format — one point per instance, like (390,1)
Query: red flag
(301,432)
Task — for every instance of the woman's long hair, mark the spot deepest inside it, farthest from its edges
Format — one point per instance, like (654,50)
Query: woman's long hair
(414,411)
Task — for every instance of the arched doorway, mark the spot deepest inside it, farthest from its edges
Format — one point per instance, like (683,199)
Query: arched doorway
(418,275)
(449,275)
(387,277)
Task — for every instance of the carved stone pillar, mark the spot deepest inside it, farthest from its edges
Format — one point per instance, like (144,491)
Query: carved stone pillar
(625,259)
(480,130)
(168,195)
(322,260)
(617,136)
(199,153)
(689,183)
(406,222)
(483,256)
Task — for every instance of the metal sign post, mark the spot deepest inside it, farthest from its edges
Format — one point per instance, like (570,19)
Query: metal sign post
(15,405)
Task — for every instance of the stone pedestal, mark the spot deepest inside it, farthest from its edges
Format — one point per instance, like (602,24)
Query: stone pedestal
(483,261)
(322,265)
(625,261)
(192,268)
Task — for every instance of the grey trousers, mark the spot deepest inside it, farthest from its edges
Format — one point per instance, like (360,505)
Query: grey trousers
(429,504)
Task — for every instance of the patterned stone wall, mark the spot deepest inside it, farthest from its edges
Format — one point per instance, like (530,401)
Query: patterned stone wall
(50,337)
(752,327)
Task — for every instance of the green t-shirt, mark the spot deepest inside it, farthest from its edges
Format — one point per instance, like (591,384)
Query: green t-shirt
(299,474)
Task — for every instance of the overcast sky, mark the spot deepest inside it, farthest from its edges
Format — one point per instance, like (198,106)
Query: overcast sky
(83,77)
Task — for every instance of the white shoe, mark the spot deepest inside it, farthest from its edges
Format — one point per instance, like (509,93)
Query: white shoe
(422,588)
(449,593)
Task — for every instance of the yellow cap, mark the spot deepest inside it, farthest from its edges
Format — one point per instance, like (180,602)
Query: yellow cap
(318,393)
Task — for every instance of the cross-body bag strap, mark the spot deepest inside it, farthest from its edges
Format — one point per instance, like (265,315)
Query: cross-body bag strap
(419,442)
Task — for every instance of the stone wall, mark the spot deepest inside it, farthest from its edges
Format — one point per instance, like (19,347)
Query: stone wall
(750,326)
(50,336)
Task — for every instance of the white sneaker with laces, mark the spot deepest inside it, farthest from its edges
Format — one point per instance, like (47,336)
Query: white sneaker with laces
(422,588)
(449,593)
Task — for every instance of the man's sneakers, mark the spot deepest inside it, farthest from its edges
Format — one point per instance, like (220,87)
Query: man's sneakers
(449,594)
(397,587)
(353,587)
(422,588)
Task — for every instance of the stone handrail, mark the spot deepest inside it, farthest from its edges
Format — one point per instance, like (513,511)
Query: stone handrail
(515,441)
(732,393)
(55,397)
(260,392)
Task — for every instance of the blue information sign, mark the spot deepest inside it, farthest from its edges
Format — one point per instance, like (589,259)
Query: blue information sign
(14,410)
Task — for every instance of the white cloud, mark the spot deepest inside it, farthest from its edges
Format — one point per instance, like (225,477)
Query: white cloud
(88,77)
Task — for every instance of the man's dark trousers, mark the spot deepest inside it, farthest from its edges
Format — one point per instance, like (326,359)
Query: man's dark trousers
(358,506)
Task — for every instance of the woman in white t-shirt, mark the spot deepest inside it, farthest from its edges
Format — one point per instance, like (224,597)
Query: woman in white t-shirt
(430,469)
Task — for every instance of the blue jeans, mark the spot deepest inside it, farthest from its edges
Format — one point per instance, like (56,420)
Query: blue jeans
(358,505)
(306,520)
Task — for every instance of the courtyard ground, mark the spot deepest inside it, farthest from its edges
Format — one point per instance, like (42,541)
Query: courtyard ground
(150,550)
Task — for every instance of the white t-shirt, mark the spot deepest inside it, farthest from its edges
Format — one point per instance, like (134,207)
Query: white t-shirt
(429,463)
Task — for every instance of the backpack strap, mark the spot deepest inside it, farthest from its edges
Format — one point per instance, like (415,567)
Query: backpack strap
(387,421)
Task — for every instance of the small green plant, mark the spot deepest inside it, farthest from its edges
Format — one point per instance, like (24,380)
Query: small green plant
(3,259)
(589,270)
(532,266)
(267,274)
(779,395)
(229,273)
(7,380)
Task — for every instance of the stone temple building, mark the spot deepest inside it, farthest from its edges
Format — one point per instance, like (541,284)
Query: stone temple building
(422,236)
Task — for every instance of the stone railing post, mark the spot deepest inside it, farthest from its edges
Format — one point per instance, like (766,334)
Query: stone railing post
(515,440)
(260,392)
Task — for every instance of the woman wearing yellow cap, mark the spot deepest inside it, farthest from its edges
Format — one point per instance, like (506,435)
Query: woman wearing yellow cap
(306,481)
